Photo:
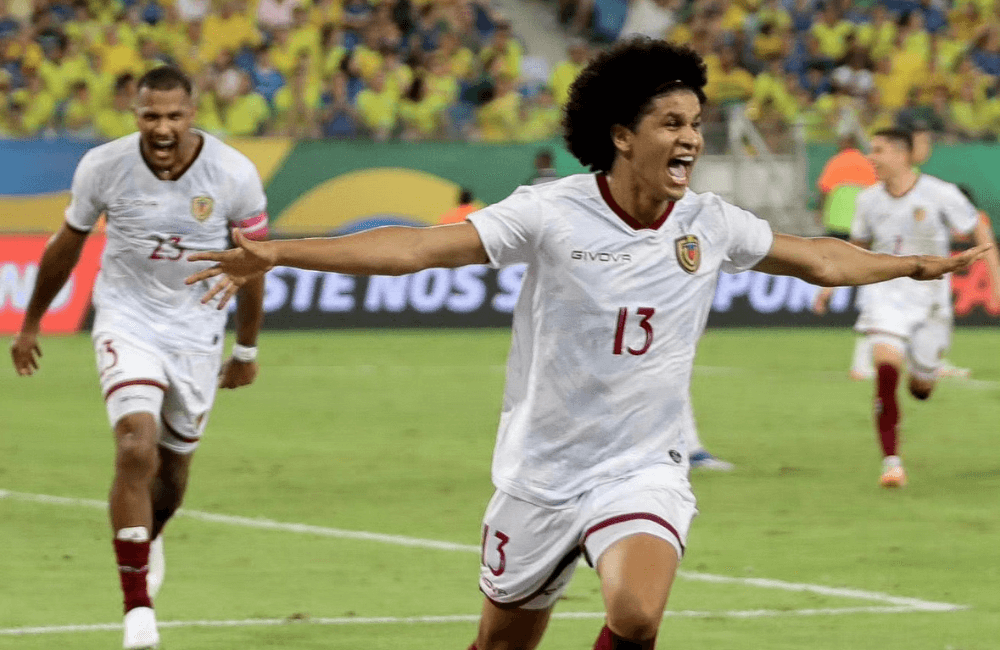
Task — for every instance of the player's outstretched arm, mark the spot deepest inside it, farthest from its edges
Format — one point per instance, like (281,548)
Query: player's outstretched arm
(62,252)
(831,262)
(983,234)
(392,250)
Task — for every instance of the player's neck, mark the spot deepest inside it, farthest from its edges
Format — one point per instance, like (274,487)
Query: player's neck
(629,194)
(899,185)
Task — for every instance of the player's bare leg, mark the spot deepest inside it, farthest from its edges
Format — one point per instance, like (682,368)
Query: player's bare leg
(636,575)
(510,629)
(169,487)
(888,360)
(168,491)
(136,464)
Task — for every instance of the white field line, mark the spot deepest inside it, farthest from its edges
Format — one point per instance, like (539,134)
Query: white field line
(458,618)
(898,603)
(712,371)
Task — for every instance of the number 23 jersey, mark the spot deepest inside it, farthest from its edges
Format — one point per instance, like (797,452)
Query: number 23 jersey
(605,329)
(152,227)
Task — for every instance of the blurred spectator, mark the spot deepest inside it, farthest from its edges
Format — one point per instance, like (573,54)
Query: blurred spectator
(498,120)
(246,113)
(193,10)
(377,108)
(920,115)
(653,18)
(831,32)
(336,113)
(566,72)
(986,52)
(879,35)
(297,104)
(543,168)
(505,48)
(854,74)
(118,119)
(969,117)
(541,117)
(77,117)
(848,168)
(464,208)
(267,80)
(729,84)
(420,112)
(230,29)
(276,14)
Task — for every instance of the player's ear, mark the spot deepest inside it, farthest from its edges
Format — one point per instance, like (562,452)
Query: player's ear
(621,137)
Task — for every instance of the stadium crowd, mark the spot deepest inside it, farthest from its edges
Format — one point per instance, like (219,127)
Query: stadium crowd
(452,69)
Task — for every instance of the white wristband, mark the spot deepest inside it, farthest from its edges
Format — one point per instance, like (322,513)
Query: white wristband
(243,353)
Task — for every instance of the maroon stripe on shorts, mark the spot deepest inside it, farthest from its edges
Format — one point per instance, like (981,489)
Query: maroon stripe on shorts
(178,435)
(134,382)
(619,519)
(567,560)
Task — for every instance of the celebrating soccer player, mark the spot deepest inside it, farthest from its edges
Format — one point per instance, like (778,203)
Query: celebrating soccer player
(591,453)
(908,323)
(165,191)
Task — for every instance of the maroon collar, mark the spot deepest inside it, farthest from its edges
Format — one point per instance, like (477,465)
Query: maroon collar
(630,221)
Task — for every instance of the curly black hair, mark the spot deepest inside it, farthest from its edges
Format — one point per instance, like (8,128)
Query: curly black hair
(618,87)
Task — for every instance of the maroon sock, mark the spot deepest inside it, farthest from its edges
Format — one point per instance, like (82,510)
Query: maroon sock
(608,640)
(887,408)
(133,564)
(472,647)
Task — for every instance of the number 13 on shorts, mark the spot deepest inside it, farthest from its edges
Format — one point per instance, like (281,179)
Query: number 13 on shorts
(493,556)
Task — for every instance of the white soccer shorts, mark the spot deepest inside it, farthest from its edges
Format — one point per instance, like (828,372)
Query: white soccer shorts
(924,340)
(529,552)
(177,388)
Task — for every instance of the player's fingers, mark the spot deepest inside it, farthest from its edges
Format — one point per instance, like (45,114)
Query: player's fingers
(216,289)
(207,256)
(229,293)
(203,275)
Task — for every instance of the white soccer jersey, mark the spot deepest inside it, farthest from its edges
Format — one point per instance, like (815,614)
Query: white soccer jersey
(918,223)
(605,329)
(152,227)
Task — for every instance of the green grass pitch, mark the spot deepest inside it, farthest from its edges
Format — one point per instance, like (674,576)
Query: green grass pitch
(391,433)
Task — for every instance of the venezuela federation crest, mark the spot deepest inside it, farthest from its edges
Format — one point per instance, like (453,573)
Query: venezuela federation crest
(201,207)
(688,253)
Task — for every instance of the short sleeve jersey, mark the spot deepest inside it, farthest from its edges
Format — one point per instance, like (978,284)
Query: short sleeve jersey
(152,227)
(918,223)
(605,329)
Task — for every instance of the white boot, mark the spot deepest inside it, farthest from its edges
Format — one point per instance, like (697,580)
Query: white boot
(140,629)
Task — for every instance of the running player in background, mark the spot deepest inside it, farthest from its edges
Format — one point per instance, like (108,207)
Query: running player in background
(909,323)
(622,264)
(165,191)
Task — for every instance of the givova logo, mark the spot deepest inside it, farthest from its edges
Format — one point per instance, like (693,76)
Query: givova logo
(600,256)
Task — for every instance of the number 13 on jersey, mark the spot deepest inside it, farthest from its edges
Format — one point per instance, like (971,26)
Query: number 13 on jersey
(644,313)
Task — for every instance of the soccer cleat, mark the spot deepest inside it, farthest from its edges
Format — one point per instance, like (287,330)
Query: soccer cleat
(157,567)
(140,629)
(948,369)
(893,474)
(701,459)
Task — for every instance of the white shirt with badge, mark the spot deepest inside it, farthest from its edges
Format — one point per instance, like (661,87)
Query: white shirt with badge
(605,329)
(152,227)
(919,222)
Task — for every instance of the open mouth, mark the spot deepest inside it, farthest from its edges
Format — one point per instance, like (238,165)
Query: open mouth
(163,147)
(679,168)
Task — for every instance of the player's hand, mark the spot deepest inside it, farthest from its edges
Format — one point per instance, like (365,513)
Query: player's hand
(25,353)
(237,373)
(235,267)
(822,300)
(932,268)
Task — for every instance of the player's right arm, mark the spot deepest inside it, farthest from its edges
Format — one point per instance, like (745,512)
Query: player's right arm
(391,250)
(60,257)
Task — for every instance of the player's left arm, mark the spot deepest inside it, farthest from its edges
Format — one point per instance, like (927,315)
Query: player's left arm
(830,262)
(241,368)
